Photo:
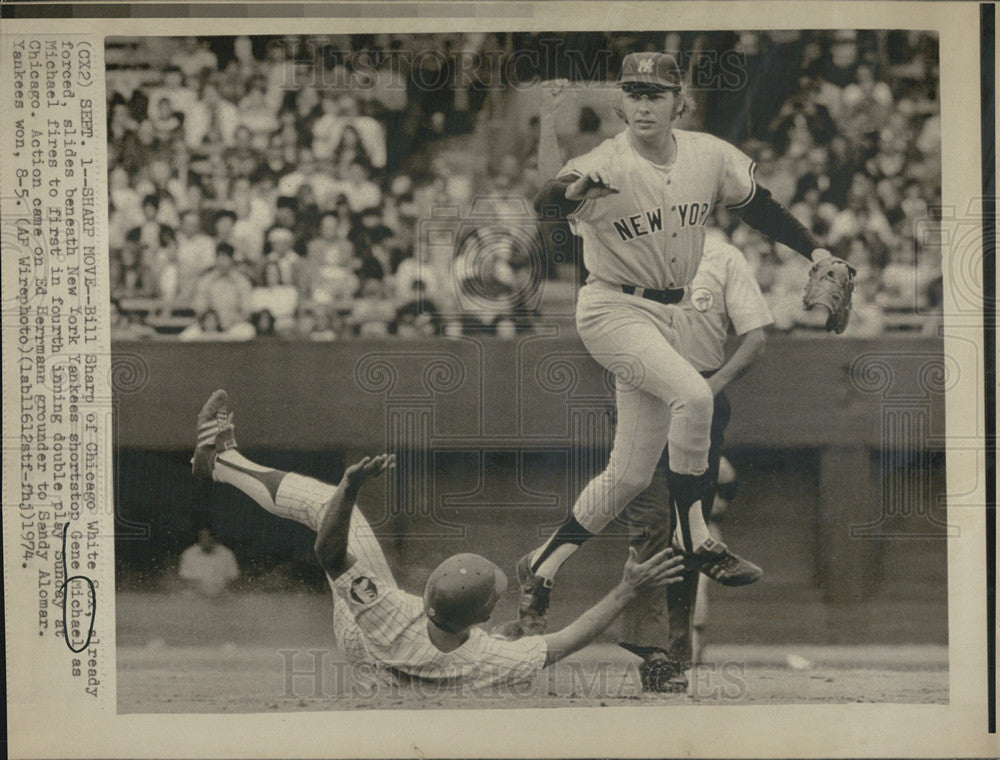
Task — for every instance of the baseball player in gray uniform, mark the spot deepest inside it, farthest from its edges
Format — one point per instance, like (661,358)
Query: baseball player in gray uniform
(725,296)
(640,202)
(436,638)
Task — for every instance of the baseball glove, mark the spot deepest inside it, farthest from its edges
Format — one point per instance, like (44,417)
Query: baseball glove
(831,284)
(658,672)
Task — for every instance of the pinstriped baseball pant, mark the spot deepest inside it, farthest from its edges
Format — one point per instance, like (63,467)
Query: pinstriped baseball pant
(661,399)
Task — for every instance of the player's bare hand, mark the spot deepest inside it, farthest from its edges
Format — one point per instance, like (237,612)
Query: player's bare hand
(595,184)
(661,569)
(361,472)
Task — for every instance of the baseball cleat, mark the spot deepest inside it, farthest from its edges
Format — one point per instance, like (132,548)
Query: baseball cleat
(714,559)
(534,606)
(659,673)
(215,434)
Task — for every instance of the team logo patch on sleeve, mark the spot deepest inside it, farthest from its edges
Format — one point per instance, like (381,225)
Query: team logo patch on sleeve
(702,299)
(364,590)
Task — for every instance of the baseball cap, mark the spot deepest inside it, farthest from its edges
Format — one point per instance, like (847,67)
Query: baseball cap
(658,69)
(462,590)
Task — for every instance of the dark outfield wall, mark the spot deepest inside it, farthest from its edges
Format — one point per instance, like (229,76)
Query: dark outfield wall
(496,439)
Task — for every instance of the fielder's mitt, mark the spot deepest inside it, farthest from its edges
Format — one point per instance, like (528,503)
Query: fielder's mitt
(831,284)
(658,672)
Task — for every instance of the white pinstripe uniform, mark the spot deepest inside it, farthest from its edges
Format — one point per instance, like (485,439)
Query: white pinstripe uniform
(376,622)
(649,235)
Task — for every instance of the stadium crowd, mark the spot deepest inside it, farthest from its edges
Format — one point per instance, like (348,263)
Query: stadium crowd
(331,187)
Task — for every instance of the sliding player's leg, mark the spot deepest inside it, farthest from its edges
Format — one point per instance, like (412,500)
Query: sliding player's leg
(285,494)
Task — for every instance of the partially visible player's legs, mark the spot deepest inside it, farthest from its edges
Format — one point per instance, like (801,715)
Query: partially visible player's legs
(640,434)
(288,495)
(682,597)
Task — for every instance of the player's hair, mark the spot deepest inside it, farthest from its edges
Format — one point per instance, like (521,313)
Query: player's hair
(685,104)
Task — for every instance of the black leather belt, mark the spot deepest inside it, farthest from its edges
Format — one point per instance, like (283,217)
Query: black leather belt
(668,296)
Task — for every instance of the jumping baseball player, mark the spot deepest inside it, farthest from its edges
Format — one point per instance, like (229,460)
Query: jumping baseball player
(657,625)
(436,638)
(640,201)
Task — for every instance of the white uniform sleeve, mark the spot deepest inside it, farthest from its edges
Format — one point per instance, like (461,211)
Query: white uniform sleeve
(377,606)
(503,661)
(745,302)
(737,182)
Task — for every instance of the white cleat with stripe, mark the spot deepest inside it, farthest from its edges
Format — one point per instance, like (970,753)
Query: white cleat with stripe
(215,434)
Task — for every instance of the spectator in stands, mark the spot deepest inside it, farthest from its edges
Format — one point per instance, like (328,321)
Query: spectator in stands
(226,293)
(285,218)
(264,324)
(208,567)
(193,58)
(373,312)
(307,213)
(128,325)
(328,275)
(277,298)
(167,122)
(350,150)
(150,229)
(417,276)
(416,319)
(317,324)
(290,132)
(130,277)
(225,222)
(126,201)
(121,124)
(175,91)
(196,253)
(370,132)
(360,191)
(306,172)
(280,251)
(247,236)
(211,120)
(242,159)
(167,273)
(865,104)
(255,109)
(327,129)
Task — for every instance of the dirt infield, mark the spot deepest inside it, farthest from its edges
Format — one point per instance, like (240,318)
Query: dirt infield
(275,652)
(231,678)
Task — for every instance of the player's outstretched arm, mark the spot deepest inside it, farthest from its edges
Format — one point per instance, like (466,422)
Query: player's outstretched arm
(766,215)
(331,538)
(658,570)
(567,193)
(746,354)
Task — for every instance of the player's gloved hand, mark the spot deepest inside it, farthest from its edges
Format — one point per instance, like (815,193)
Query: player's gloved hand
(595,184)
(831,285)
(658,672)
